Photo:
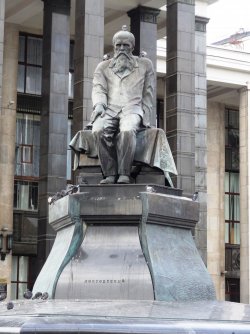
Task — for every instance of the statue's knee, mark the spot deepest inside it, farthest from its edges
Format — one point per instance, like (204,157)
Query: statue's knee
(97,132)
(107,136)
(127,132)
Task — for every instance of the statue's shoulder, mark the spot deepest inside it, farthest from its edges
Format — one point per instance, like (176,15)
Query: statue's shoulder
(144,61)
(103,65)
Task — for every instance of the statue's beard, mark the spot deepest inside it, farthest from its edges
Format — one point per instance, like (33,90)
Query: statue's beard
(122,62)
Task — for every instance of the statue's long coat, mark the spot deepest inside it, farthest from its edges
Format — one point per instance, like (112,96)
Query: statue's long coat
(131,92)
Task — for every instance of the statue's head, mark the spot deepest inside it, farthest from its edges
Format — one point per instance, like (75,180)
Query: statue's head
(123,41)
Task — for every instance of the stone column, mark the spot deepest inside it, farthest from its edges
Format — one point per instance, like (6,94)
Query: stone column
(244,194)
(54,116)
(180,86)
(215,196)
(88,52)
(8,70)
(201,133)
(143,25)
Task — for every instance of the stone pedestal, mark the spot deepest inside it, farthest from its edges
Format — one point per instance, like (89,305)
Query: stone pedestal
(123,243)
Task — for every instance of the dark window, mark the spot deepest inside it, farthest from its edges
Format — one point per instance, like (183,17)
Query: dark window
(25,229)
(27,145)
(232,192)
(29,79)
(19,276)
(232,290)
(232,260)
(25,195)
(29,104)
(160,114)
(30,64)
(232,140)
(22,275)
(71,71)
(232,206)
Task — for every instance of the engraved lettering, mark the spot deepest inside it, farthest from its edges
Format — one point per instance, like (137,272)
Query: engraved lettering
(104,281)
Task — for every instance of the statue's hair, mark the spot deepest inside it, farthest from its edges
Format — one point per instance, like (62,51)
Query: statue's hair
(124,34)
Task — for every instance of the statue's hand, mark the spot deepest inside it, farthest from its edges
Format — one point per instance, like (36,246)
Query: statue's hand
(99,110)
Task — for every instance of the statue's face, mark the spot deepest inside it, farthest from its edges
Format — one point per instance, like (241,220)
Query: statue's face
(123,45)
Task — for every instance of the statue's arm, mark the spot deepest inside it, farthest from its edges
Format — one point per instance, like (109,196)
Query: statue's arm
(99,93)
(148,89)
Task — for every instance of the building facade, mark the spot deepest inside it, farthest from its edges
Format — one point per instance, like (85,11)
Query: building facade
(49,50)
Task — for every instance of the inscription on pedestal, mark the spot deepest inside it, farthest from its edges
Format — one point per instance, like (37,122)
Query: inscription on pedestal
(109,265)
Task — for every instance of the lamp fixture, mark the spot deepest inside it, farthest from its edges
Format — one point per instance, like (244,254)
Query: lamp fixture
(6,241)
(1,242)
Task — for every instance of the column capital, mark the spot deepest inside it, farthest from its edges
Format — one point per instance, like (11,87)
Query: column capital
(186,2)
(58,6)
(244,88)
(201,23)
(146,14)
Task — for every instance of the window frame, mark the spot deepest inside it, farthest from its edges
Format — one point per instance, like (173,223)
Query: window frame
(23,159)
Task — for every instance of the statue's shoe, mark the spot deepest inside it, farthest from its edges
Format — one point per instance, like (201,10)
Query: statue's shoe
(108,180)
(123,179)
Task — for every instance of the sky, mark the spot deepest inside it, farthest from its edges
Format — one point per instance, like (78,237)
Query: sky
(226,18)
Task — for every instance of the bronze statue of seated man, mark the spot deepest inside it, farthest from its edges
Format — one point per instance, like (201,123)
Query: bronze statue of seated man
(122,97)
